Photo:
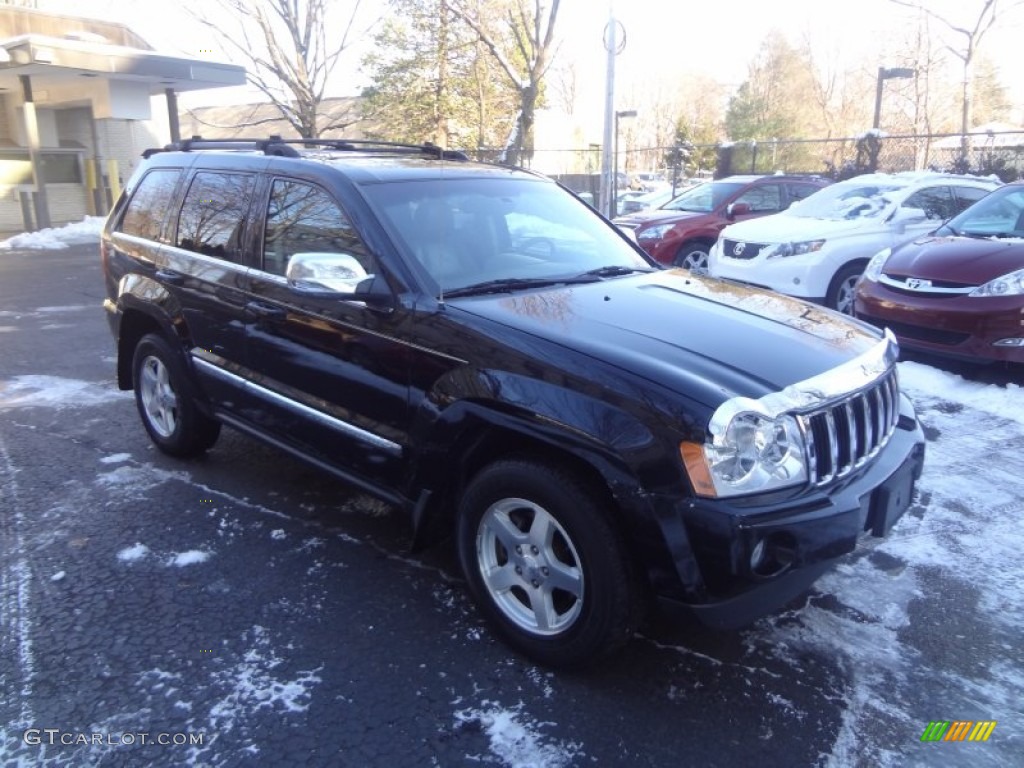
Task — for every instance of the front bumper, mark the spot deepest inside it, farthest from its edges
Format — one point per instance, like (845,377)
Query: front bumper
(805,277)
(961,327)
(805,534)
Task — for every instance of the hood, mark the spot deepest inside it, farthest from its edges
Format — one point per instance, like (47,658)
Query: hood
(706,339)
(658,216)
(964,260)
(787,227)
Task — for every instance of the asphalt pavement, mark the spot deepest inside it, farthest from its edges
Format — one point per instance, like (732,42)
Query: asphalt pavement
(244,609)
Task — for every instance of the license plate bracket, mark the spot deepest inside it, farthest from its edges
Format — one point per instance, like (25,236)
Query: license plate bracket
(891,499)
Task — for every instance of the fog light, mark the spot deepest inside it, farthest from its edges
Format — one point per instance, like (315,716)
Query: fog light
(757,556)
(1017,342)
(773,555)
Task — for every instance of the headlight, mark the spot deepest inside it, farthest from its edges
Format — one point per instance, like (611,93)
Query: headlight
(753,454)
(654,233)
(1011,284)
(794,249)
(874,268)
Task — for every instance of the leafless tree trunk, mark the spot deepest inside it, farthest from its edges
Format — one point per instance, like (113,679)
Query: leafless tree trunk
(531,32)
(990,12)
(289,51)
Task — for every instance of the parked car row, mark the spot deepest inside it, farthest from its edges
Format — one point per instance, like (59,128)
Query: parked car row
(806,238)
(681,232)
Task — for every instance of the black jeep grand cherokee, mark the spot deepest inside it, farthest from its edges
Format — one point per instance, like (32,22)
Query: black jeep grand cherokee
(479,348)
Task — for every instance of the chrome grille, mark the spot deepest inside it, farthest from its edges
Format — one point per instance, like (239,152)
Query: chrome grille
(844,434)
(738,249)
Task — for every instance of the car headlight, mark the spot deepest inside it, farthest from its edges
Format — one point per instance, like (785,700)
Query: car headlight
(754,453)
(654,233)
(873,270)
(1011,284)
(794,249)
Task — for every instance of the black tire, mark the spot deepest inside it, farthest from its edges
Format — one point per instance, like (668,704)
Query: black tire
(572,564)
(164,398)
(841,289)
(694,257)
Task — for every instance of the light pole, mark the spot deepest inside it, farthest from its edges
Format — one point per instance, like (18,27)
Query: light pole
(884,74)
(613,207)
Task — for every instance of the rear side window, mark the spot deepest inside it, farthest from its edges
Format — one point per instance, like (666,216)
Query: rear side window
(147,209)
(968,196)
(766,198)
(213,215)
(936,202)
(800,191)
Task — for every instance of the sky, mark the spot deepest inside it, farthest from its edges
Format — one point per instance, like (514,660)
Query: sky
(662,36)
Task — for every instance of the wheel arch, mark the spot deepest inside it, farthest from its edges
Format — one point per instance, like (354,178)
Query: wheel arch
(135,324)
(477,436)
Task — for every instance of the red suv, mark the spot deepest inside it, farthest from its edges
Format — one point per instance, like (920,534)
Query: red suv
(683,230)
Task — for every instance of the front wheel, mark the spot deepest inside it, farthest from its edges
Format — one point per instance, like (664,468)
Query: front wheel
(842,290)
(545,565)
(694,257)
(163,398)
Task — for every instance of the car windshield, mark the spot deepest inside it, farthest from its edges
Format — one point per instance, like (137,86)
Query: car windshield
(999,214)
(500,231)
(704,198)
(846,200)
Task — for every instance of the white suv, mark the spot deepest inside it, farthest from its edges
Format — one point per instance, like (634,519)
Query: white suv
(818,248)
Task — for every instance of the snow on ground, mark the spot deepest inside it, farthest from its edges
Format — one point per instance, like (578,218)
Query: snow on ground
(516,740)
(55,238)
(54,392)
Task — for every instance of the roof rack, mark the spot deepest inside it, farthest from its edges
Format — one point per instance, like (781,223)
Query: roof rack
(275,145)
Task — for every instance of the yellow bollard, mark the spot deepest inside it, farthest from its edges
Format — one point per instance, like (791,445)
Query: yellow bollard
(113,180)
(90,186)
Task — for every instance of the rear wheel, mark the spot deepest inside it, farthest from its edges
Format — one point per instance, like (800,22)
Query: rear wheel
(694,257)
(164,400)
(545,565)
(843,288)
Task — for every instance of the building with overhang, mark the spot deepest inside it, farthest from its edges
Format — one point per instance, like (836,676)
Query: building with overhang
(79,101)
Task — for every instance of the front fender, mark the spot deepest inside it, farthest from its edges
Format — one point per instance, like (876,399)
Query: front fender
(607,444)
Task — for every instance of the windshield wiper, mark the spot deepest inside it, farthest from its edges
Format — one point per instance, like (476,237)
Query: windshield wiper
(615,270)
(508,284)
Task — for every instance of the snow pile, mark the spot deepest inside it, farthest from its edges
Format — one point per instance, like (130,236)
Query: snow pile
(193,556)
(135,552)
(55,238)
(929,386)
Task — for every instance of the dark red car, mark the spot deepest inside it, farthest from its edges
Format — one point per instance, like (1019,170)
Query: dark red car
(960,291)
(682,231)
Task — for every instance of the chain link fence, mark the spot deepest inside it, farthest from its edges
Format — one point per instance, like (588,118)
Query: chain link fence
(994,153)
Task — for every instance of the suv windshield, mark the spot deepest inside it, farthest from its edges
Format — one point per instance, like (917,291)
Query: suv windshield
(846,201)
(469,232)
(1000,214)
(704,198)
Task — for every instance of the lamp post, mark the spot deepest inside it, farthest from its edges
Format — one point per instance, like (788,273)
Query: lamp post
(888,73)
(614,196)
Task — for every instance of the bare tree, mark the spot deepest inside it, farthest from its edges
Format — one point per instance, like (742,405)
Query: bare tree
(520,36)
(290,50)
(971,36)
